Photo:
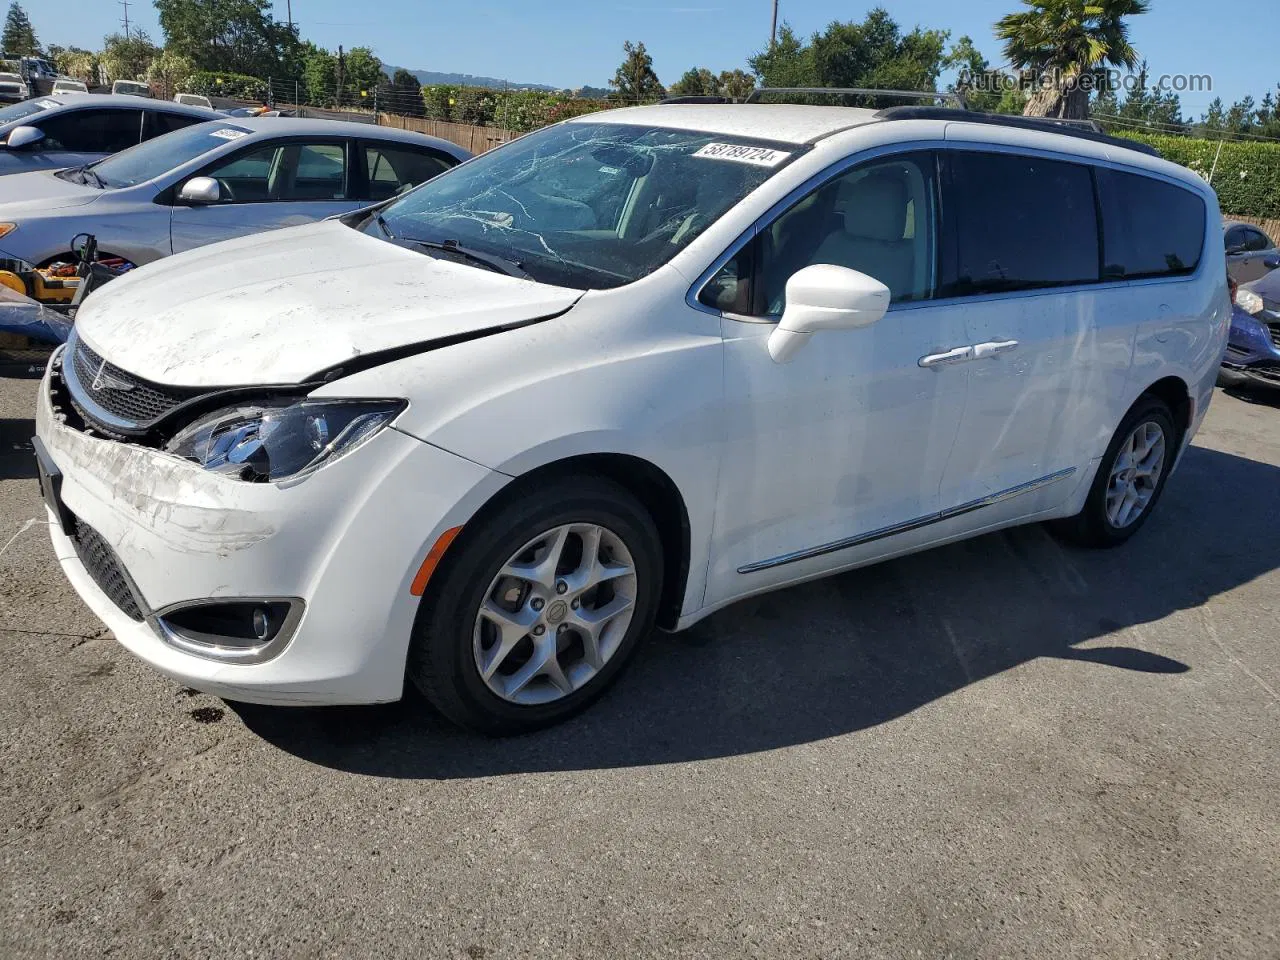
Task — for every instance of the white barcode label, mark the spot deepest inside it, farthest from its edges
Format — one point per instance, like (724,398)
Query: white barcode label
(229,133)
(756,156)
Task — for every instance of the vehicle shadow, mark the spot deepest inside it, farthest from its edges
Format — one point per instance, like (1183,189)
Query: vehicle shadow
(17,456)
(1262,394)
(852,651)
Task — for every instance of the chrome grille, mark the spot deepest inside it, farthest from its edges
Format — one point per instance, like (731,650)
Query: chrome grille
(127,401)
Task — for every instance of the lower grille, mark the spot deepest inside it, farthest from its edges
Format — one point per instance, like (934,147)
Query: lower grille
(1275,333)
(102,565)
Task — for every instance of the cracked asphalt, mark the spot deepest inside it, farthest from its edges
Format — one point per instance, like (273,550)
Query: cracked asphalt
(1004,748)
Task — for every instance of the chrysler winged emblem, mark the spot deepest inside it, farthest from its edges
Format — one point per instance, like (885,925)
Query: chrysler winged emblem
(106,381)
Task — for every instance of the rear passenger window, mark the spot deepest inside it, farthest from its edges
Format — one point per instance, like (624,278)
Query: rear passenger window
(1150,228)
(395,169)
(160,123)
(92,131)
(1019,223)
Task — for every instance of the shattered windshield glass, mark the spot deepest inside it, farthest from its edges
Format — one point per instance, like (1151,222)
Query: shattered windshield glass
(586,205)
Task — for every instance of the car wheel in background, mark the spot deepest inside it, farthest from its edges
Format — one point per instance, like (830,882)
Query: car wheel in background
(537,606)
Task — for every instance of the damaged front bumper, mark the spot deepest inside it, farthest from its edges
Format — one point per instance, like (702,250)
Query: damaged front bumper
(1253,348)
(139,532)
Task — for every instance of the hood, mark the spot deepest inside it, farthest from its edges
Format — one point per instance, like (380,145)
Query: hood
(35,192)
(280,306)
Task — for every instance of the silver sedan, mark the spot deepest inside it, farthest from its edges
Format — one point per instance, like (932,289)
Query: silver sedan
(46,133)
(212,182)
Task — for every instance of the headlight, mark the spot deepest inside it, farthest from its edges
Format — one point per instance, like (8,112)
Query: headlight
(1246,300)
(281,440)
(7,228)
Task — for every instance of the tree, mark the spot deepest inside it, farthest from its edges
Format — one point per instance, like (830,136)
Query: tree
(320,76)
(736,84)
(168,72)
(696,82)
(1065,40)
(80,64)
(405,94)
(871,54)
(19,36)
(127,58)
(361,73)
(230,36)
(635,79)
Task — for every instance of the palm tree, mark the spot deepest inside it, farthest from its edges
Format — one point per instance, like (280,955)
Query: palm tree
(1067,40)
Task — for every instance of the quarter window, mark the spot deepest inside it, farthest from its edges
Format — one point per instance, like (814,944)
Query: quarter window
(1019,223)
(1150,228)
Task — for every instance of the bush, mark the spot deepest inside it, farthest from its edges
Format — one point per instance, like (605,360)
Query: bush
(234,85)
(1247,176)
(517,110)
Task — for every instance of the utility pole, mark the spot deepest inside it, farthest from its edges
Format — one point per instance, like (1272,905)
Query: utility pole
(342,64)
(126,4)
(288,12)
(773,28)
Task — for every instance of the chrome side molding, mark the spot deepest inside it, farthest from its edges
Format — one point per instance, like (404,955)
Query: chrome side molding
(908,525)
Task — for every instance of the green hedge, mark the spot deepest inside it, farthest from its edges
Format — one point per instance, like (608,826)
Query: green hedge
(516,110)
(234,85)
(1247,177)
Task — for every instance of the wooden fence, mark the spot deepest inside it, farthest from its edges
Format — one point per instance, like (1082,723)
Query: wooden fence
(475,139)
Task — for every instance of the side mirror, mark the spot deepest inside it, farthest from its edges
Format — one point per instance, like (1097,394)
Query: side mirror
(23,136)
(826,297)
(200,191)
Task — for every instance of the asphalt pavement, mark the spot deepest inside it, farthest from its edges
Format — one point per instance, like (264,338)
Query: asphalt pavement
(1003,748)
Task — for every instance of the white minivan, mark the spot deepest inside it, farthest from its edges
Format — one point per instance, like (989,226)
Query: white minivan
(622,372)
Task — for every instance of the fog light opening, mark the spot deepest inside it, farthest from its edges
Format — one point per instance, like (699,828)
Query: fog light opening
(240,630)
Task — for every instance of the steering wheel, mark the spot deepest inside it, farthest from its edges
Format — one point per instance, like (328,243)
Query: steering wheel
(224,190)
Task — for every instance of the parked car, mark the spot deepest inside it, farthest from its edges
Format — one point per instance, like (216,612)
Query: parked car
(69,86)
(68,130)
(211,182)
(13,88)
(626,369)
(1250,252)
(1253,346)
(131,88)
(192,99)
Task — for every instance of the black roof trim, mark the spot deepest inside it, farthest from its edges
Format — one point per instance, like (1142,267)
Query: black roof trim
(1041,124)
(697,99)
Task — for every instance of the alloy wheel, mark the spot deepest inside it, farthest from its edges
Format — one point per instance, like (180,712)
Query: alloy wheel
(1135,474)
(555,613)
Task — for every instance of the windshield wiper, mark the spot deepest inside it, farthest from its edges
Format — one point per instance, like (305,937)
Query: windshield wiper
(83,175)
(512,268)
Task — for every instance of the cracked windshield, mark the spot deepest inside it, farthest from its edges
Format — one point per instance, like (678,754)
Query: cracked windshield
(587,205)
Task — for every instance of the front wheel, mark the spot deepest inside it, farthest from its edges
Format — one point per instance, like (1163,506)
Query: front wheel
(538,606)
(1130,478)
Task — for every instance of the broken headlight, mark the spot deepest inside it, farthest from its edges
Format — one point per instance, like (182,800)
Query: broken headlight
(281,441)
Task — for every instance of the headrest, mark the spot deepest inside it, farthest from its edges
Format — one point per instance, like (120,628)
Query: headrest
(875,207)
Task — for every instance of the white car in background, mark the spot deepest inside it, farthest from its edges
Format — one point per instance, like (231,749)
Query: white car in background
(13,88)
(622,371)
(131,88)
(68,86)
(192,100)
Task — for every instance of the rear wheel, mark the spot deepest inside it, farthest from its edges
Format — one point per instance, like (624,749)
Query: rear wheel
(538,607)
(1130,478)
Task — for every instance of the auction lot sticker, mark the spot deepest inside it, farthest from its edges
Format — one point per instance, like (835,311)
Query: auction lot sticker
(229,133)
(756,156)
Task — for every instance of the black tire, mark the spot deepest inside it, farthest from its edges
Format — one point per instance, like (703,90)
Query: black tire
(441,663)
(1091,527)
(1229,378)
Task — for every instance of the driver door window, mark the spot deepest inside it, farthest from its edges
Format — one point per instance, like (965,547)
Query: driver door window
(877,218)
(284,172)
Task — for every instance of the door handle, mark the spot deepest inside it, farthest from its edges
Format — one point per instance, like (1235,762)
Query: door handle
(993,347)
(958,355)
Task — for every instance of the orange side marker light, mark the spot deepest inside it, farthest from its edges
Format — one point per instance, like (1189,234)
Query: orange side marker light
(434,555)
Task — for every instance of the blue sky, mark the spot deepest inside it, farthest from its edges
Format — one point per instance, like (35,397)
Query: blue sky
(574,42)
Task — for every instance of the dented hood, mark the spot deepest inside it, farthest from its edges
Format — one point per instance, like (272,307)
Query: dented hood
(40,191)
(278,307)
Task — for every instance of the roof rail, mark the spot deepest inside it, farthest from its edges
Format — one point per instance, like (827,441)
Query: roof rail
(949,96)
(696,98)
(1043,124)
